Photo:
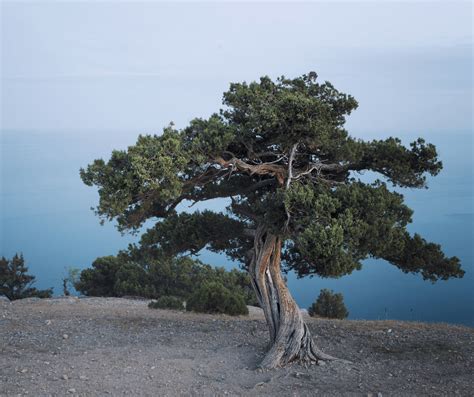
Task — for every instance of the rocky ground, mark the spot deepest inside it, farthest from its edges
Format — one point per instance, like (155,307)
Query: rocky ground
(108,346)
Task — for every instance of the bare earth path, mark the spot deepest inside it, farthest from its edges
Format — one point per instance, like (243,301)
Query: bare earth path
(99,346)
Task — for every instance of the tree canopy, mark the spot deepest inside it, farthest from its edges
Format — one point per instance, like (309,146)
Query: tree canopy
(278,150)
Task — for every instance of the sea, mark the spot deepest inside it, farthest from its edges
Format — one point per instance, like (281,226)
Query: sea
(46,215)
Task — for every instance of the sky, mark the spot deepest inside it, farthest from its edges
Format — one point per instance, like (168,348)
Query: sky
(109,66)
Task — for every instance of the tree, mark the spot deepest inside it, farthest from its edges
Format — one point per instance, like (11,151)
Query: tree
(329,305)
(70,279)
(16,283)
(279,153)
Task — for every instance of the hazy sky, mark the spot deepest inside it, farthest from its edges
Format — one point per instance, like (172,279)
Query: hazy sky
(137,66)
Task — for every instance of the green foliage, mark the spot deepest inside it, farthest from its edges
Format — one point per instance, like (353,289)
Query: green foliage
(100,280)
(280,152)
(213,297)
(329,305)
(235,281)
(192,232)
(167,302)
(16,283)
(131,279)
(131,274)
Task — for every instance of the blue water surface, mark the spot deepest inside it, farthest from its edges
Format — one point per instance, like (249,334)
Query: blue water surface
(45,213)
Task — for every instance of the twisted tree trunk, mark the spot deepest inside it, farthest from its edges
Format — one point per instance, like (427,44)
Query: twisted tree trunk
(290,337)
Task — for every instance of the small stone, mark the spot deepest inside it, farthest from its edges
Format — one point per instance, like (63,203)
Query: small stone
(72,390)
(152,367)
(389,331)
(65,336)
(65,377)
(48,322)
(24,371)
(83,377)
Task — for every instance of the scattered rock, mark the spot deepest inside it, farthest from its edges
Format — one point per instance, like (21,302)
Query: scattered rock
(301,375)
(126,350)
(65,336)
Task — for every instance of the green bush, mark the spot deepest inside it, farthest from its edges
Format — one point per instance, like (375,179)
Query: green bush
(131,279)
(213,297)
(329,305)
(167,302)
(15,283)
(133,273)
(172,276)
(100,280)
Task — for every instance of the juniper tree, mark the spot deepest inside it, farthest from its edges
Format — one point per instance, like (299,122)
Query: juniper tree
(279,152)
(16,283)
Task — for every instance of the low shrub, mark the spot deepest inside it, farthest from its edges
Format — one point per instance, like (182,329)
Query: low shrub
(167,302)
(213,297)
(328,305)
(136,273)
(100,280)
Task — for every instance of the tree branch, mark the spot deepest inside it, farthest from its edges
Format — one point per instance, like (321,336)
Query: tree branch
(290,165)
(288,181)
(278,171)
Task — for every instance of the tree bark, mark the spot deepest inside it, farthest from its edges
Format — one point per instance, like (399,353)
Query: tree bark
(290,337)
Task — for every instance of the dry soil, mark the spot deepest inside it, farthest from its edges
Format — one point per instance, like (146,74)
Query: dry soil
(119,347)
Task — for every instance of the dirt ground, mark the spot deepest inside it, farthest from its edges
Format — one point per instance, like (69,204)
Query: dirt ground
(111,346)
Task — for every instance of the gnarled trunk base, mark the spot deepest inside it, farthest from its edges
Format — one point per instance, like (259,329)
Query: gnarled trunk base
(290,337)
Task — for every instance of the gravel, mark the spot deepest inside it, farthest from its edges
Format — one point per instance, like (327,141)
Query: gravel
(112,346)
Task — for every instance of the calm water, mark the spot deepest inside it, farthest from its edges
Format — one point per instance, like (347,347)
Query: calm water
(45,213)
